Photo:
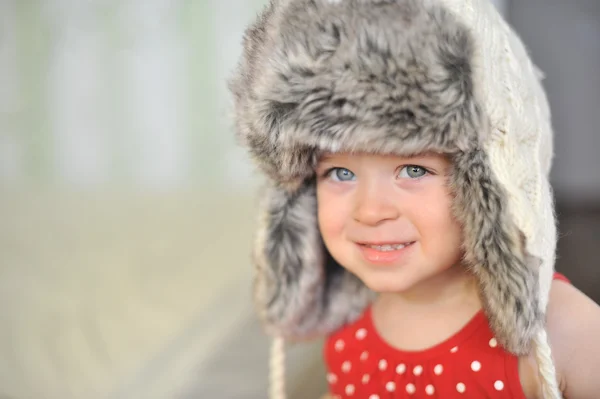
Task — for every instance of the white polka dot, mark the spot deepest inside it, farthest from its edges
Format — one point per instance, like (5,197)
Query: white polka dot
(390,386)
(460,387)
(339,345)
(475,366)
(418,370)
(349,389)
(499,385)
(366,378)
(382,364)
(401,368)
(410,388)
(429,389)
(493,342)
(438,369)
(361,334)
(374,396)
(332,378)
(346,366)
(454,350)
(364,356)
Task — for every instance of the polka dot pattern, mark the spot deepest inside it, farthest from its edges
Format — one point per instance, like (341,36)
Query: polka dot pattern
(346,367)
(361,365)
(350,389)
(401,368)
(331,378)
(361,334)
(383,365)
(390,386)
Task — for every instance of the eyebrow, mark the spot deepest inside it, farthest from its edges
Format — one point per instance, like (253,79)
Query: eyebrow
(325,157)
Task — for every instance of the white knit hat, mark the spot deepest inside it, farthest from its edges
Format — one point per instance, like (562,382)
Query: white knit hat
(400,77)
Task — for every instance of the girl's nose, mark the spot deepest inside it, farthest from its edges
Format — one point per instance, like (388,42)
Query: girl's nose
(375,203)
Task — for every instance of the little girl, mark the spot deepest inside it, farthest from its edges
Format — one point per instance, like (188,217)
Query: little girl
(408,215)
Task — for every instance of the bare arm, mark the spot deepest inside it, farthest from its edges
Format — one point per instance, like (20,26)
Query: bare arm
(573,322)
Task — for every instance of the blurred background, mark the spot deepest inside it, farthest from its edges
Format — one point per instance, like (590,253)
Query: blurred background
(127,208)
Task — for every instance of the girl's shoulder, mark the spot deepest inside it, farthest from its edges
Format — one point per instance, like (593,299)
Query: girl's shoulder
(573,325)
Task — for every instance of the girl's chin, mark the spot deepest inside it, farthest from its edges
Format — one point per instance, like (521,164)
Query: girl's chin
(385,284)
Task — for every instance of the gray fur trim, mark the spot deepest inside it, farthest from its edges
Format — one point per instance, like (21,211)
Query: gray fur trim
(494,251)
(299,289)
(375,76)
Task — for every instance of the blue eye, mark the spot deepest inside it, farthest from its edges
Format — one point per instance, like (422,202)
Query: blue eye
(412,172)
(341,174)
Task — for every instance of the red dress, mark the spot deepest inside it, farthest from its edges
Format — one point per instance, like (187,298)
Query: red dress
(470,364)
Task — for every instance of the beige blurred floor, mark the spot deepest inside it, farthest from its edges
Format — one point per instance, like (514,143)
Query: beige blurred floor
(97,290)
(240,368)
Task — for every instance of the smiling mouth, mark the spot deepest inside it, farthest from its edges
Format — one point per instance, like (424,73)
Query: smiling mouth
(387,247)
(385,254)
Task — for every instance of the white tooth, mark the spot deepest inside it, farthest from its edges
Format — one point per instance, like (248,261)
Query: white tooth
(388,247)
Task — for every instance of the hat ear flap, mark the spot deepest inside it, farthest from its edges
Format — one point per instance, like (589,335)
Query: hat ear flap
(495,253)
(300,290)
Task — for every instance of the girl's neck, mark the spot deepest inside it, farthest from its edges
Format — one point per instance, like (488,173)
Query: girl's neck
(428,313)
(452,288)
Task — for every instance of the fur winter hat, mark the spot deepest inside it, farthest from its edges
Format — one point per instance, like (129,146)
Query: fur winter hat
(399,77)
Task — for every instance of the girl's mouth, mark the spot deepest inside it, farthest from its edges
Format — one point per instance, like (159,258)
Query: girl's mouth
(388,247)
(384,253)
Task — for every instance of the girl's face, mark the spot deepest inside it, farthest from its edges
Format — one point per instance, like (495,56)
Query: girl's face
(388,219)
